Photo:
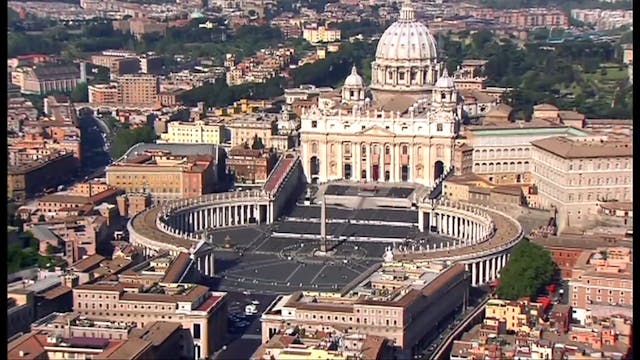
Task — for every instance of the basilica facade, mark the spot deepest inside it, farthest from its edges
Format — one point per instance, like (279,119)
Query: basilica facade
(399,129)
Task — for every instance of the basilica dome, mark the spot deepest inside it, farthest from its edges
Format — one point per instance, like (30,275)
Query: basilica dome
(407,39)
(406,59)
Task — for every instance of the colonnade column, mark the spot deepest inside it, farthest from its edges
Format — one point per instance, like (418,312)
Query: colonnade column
(420,220)
(494,270)
(474,274)
(481,271)
(487,267)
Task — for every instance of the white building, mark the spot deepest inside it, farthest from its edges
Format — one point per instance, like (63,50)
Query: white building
(405,132)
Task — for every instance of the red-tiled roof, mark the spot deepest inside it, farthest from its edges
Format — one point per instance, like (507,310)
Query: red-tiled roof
(279,173)
(209,303)
(177,267)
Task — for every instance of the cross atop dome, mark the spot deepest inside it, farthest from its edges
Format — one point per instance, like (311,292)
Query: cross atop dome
(407,12)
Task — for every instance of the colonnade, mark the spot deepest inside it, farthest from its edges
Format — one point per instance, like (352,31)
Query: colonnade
(223,215)
(458,226)
(486,269)
(205,264)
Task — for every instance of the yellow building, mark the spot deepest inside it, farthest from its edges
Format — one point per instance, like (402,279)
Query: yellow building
(320,34)
(242,106)
(517,314)
(197,132)
(303,353)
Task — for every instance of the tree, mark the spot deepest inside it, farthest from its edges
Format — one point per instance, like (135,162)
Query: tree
(80,93)
(529,270)
(257,143)
(51,249)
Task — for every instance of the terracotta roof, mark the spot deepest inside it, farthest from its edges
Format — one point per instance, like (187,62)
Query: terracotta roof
(156,332)
(87,263)
(279,173)
(177,267)
(56,292)
(570,115)
(30,344)
(64,198)
(372,347)
(508,190)
(130,349)
(325,307)
(579,242)
(567,148)
(544,107)
(209,303)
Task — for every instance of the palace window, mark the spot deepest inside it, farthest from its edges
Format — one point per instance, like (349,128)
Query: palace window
(314,124)
(439,127)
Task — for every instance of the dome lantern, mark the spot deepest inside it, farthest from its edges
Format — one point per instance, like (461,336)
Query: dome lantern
(407,12)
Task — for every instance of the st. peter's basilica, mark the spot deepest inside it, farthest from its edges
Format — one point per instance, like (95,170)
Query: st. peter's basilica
(399,129)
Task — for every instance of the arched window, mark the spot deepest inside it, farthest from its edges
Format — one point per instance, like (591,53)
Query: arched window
(405,149)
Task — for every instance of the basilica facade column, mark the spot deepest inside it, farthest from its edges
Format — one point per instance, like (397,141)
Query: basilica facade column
(369,163)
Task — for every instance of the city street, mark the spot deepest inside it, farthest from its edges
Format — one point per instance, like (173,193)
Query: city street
(243,341)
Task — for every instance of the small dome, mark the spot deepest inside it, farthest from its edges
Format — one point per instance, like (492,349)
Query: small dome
(445,81)
(354,79)
(407,39)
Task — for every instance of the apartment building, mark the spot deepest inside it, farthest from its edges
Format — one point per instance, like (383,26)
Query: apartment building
(43,79)
(138,89)
(304,92)
(602,283)
(250,166)
(74,238)
(19,110)
(69,335)
(104,94)
(570,175)
(520,18)
(27,180)
(165,176)
(151,64)
(118,65)
(31,299)
(321,345)
(402,302)
(244,129)
(320,34)
(202,312)
(196,132)
(516,314)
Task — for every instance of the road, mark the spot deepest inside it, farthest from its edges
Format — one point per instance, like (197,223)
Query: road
(243,342)
(95,154)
